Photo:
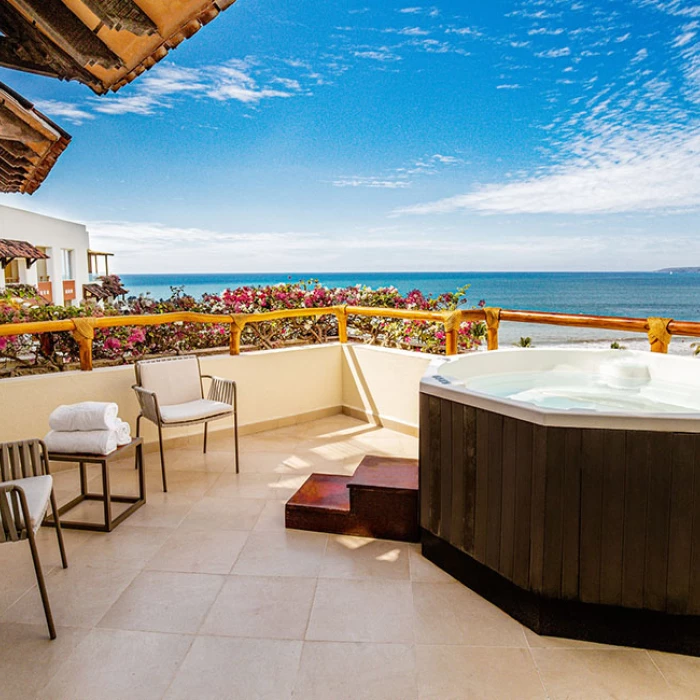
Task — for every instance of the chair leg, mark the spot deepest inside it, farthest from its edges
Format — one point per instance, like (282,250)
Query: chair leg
(42,583)
(235,430)
(162,458)
(59,532)
(206,425)
(138,434)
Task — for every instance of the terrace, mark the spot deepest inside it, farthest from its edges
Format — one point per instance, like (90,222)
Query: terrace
(204,593)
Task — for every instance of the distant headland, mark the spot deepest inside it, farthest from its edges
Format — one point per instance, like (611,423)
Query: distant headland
(679,270)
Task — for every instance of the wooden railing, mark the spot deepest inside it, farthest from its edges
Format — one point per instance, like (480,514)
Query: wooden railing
(658,330)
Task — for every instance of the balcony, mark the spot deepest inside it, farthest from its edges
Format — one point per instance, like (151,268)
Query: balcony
(203,593)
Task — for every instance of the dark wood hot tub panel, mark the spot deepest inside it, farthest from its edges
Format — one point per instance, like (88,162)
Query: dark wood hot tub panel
(598,516)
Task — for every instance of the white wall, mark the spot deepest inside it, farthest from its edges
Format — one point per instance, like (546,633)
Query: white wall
(276,387)
(382,384)
(55,234)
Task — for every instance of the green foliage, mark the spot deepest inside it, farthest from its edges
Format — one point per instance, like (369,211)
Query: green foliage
(616,346)
(524,343)
(59,351)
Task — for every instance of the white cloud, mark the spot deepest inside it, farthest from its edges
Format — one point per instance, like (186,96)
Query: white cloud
(381,53)
(372,182)
(555,53)
(652,173)
(508,86)
(56,108)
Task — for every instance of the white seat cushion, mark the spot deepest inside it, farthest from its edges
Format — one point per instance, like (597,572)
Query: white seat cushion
(193,410)
(37,489)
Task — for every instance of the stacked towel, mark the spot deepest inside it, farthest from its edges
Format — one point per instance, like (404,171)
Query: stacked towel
(91,427)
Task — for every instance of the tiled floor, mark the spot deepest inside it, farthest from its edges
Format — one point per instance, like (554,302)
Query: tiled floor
(203,594)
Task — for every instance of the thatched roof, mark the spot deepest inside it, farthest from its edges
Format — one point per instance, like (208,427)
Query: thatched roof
(104,44)
(10,250)
(30,143)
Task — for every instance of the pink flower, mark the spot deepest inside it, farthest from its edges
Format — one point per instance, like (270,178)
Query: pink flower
(112,344)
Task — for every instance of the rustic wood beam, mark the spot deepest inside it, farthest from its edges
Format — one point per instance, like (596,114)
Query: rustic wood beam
(122,15)
(18,150)
(13,128)
(66,31)
(27,46)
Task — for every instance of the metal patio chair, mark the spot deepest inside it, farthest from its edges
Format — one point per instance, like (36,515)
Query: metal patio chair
(26,489)
(171,394)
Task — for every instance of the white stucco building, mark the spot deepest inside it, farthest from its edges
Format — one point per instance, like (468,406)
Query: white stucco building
(61,276)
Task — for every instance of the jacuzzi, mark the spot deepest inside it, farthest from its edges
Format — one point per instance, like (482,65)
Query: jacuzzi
(564,486)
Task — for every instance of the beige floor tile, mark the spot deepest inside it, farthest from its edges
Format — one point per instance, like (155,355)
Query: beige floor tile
(356,671)
(159,601)
(255,486)
(28,658)
(271,517)
(129,544)
(223,668)
(258,606)
(361,610)
(188,483)
(50,554)
(220,514)
(79,595)
(162,510)
(191,551)
(449,614)
(278,462)
(682,673)
(425,571)
(535,640)
(118,664)
(363,557)
(590,674)
(215,461)
(479,673)
(289,553)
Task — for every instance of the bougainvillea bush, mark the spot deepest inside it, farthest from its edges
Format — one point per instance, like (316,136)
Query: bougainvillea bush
(22,354)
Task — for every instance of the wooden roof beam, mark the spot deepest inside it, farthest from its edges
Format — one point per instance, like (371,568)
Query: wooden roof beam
(122,15)
(26,48)
(66,31)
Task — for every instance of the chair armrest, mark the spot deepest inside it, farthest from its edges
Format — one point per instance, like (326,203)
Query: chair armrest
(223,390)
(148,401)
(14,512)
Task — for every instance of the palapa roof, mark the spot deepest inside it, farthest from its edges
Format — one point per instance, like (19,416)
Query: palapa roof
(10,249)
(30,143)
(104,44)
(97,291)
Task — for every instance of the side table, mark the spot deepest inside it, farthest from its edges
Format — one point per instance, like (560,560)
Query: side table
(106,496)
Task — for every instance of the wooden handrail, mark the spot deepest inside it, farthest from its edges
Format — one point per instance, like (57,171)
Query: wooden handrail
(659,330)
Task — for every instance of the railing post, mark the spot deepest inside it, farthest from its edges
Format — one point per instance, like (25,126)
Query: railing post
(84,333)
(342,317)
(493,320)
(452,322)
(235,335)
(659,337)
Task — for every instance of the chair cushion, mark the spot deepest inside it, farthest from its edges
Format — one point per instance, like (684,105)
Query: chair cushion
(194,410)
(174,381)
(37,489)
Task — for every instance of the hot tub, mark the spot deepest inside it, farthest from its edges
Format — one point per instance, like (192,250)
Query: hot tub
(564,485)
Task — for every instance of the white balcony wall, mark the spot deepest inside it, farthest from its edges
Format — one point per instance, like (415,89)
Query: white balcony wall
(276,388)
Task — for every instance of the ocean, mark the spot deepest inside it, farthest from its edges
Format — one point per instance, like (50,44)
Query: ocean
(640,294)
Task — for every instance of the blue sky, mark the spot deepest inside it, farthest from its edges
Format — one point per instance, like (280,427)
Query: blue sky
(324,136)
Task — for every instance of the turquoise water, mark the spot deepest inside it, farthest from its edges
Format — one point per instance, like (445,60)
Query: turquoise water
(640,294)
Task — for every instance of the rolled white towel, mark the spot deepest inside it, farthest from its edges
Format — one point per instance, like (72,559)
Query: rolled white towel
(93,442)
(88,415)
(123,433)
